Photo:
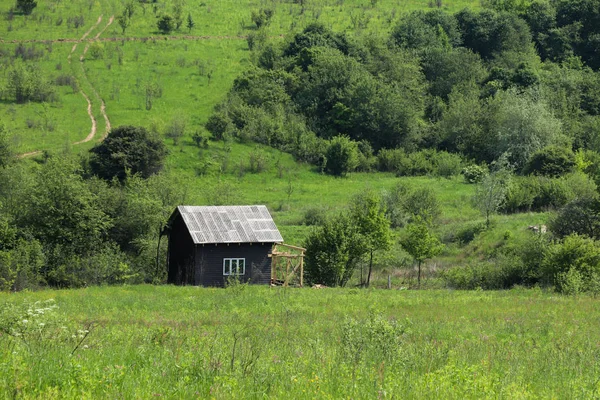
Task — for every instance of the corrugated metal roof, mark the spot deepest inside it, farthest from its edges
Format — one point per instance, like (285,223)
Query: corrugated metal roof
(230,224)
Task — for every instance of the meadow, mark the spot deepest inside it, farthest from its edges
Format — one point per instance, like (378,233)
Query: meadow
(260,342)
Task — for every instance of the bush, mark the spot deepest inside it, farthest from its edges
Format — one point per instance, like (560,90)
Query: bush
(165,24)
(314,216)
(218,124)
(538,193)
(577,256)
(466,233)
(262,17)
(447,164)
(579,216)
(390,160)
(551,161)
(341,156)
(474,173)
(128,150)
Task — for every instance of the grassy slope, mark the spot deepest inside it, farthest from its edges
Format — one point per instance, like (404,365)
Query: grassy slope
(177,342)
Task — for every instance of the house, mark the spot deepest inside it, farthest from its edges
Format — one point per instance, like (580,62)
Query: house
(210,244)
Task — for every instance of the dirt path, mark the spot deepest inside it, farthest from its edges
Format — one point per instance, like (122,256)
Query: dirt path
(93,120)
(85,35)
(92,133)
(97,38)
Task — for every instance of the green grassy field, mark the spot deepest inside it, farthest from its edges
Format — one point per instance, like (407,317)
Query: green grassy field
(259,342)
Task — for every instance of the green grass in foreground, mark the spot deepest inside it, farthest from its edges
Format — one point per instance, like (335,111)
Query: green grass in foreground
(257,342)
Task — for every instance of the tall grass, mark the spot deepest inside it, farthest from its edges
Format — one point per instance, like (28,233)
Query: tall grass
(250,342)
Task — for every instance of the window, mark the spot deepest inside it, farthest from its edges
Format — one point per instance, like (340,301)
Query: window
(234,266)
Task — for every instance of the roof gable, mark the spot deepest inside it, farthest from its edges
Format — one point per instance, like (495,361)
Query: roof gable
(230,224)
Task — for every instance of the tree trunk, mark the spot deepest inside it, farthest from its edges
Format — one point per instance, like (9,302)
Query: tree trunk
(370,269)
(419,275)
(158,253)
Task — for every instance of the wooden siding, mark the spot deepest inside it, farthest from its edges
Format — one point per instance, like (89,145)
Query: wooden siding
(209,262)
(180,254)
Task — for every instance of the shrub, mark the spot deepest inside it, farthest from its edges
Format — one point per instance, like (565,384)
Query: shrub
(257,160)
(466,233)
(577,253)
(218,124)
(341,156)
(262,17)
(165,24)
(390,160)
(580,216)
(446,164)
(474,173)
(314,216)
(551,161)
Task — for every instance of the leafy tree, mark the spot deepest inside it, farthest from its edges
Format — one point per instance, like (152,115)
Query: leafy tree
(262,17)
(575,253)
(190,22)
(332,251)
(26,6)
(128,150)
(26,83)
(341,156)
(421,244)
(317,35)
(447,69)
(491,193)
(6,154)
(521,125)
(489,33)
(422,30)
(166,24)
(123,20)
(551,161)
(580,216)
(367,213)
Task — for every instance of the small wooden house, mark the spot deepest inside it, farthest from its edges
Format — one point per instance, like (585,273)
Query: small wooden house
(210,244)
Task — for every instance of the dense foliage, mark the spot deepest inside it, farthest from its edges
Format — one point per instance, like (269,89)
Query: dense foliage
(481,84)
(128,150)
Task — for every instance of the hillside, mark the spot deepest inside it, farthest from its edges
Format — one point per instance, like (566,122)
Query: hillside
(420,96)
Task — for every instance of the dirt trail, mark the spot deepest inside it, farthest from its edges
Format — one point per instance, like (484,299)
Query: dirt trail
(92,133)
(83,37)
(94,128)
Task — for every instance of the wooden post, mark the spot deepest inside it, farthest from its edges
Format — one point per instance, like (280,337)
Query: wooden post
(302,270)
(287,272)
(389,281)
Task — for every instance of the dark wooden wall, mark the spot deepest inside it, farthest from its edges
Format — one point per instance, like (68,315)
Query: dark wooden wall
(180,254)
(209,262)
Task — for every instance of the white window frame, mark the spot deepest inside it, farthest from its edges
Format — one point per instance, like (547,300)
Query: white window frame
(229,262)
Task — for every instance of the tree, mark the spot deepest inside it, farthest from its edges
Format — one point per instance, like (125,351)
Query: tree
(420,244)
(332,251)
(190,22)
(262,17)
(522,125)
(580,216)
(491,193)
(123,20)
(166,24)
(26,6)
(128,150)
(551,161)
(6,154)
(368,215)
(341,156)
